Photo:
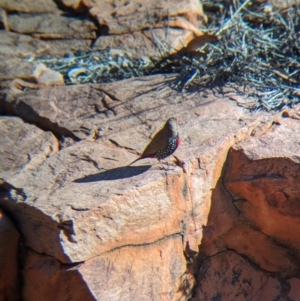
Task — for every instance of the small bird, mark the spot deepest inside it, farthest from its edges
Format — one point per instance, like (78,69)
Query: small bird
(164,143)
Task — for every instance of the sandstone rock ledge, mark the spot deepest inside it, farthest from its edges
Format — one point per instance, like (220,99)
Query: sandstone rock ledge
(220,223)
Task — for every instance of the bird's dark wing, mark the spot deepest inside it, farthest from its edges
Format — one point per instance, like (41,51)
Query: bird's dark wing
(158,142)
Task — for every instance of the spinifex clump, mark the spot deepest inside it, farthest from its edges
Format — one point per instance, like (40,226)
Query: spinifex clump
(258,48)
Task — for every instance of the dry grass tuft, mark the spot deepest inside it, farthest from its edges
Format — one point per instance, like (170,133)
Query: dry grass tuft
(258,48)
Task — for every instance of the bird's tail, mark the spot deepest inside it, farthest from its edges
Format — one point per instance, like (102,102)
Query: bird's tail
(142,157)
(136,160)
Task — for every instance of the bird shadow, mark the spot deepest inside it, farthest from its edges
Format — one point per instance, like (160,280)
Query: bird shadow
(114,174)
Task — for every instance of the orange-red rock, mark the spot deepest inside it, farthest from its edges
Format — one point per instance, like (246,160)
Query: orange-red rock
(127,273)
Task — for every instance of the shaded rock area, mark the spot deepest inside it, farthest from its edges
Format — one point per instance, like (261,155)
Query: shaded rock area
(9,273)
(229,276)
(218,222)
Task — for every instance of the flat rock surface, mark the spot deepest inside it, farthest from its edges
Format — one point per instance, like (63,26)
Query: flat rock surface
(20,45)
(28,6)
(103,110)
(52,26)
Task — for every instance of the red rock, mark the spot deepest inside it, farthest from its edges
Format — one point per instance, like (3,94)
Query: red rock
(50,78)
(147,275)
(45,278)
(71,194)
(76,5)
(294,291)
(257,246)
(86,196)
(262,178)
(9,277)
(72,197)
(61,47)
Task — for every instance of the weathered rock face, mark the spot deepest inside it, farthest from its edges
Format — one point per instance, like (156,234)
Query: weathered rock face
(219,223)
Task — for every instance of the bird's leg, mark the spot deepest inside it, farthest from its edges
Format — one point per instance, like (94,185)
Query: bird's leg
(181,164)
